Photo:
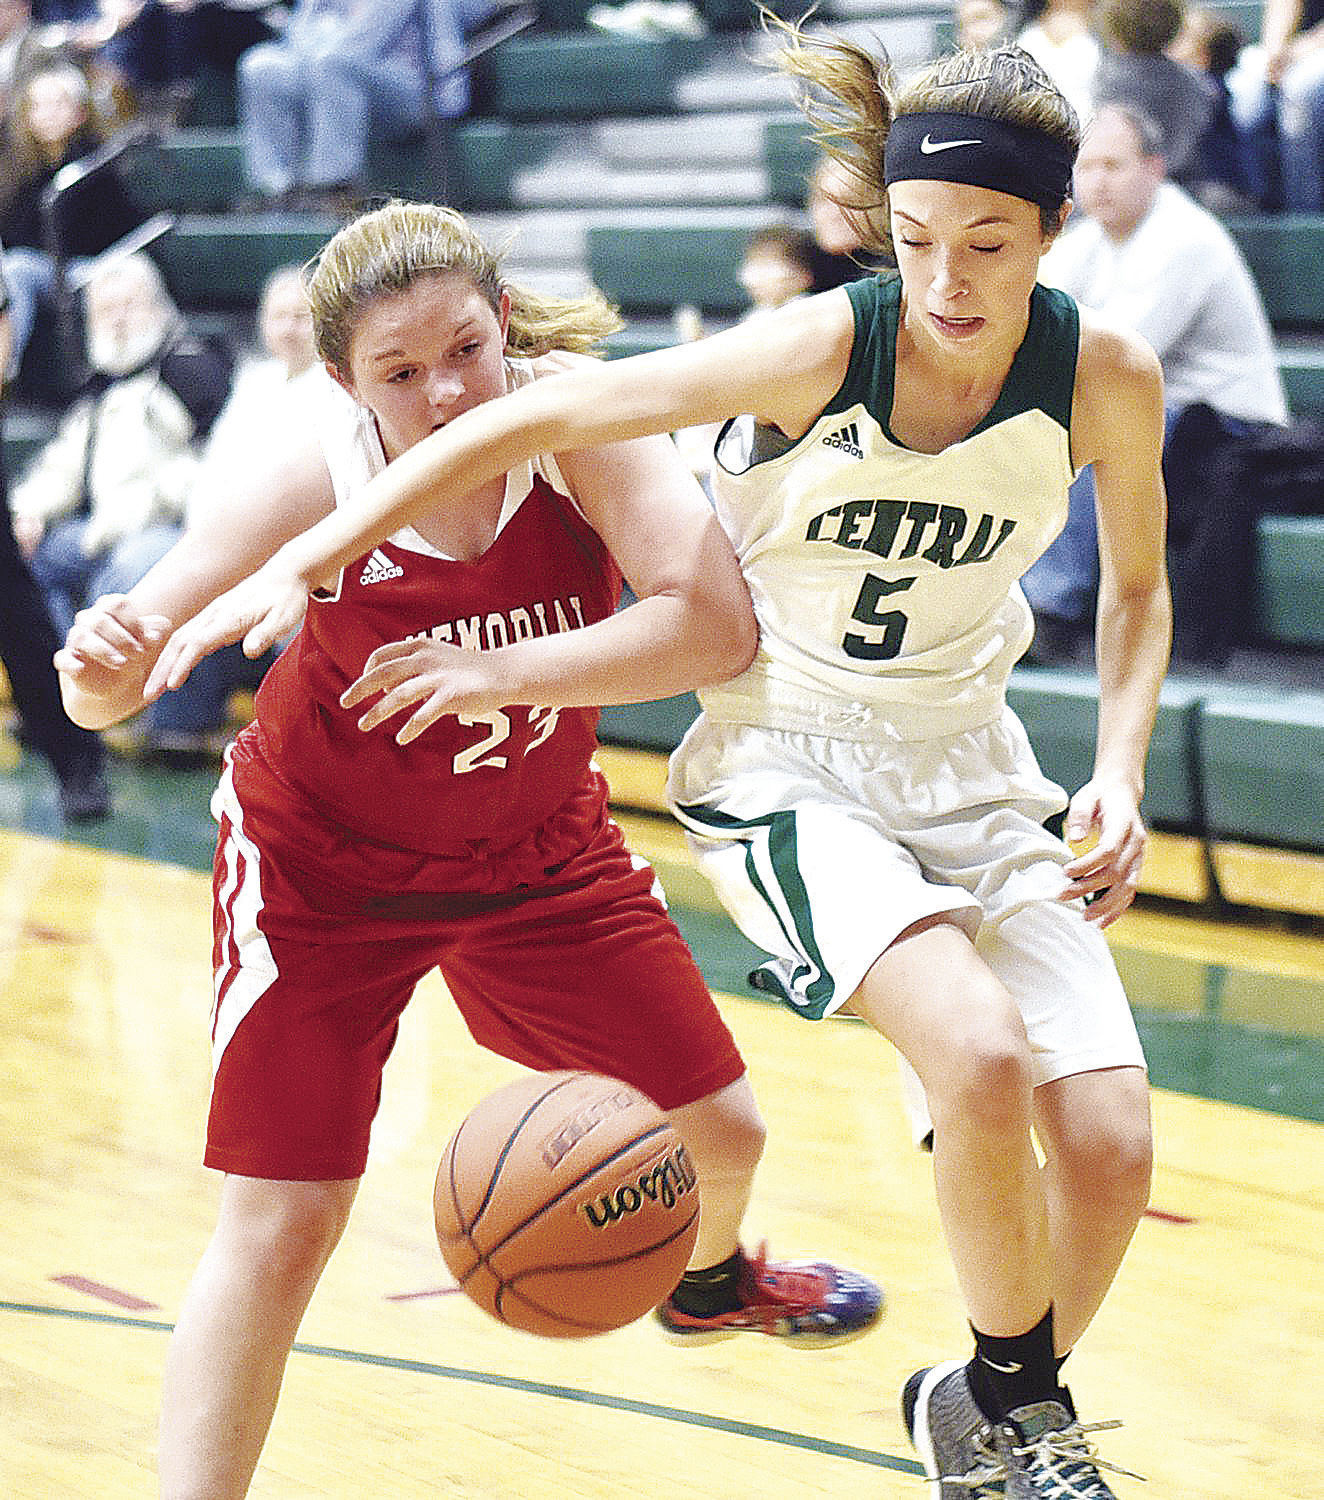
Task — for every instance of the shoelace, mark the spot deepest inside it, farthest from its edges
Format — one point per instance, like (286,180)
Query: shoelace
(990,1470)
(1070,1445)
(796,1290)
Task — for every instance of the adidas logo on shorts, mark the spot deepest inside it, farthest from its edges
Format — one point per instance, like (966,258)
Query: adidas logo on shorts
(846,438)
(380,568)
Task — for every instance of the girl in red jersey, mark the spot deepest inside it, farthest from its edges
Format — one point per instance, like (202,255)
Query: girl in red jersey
(348,865)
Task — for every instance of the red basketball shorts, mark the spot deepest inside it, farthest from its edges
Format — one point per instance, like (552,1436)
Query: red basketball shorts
(314,966)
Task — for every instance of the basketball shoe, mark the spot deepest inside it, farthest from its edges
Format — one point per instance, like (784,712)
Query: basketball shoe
(1048,1456)
(809,1302)
(954,1439)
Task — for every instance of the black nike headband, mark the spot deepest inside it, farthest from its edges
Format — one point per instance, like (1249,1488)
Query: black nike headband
(941,146)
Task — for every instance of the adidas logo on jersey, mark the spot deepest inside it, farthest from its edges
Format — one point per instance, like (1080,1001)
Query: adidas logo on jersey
(380,568)
(846,438)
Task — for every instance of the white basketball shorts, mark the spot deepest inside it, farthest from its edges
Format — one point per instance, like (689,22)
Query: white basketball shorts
(825,849)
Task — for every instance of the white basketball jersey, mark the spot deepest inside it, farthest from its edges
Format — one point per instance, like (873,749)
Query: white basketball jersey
(886,581)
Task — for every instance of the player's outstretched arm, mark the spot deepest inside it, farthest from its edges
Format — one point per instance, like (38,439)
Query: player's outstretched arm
(1120,396)
(107,664)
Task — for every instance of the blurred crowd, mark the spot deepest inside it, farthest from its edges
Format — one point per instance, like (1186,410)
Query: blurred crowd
(1189,120)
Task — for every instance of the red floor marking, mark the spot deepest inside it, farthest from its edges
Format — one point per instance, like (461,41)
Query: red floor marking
(105,1293)
(436,1291)
(39,932)
(1167,1218)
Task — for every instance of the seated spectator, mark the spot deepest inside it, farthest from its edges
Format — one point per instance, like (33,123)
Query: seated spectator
(56,126)
(1060,36)
(23,49)
(27,644)
(105,497)
(1281,106)
(780,262)
(272,392)
(1223,178)
(340,69)
(1150,258)
(1134,69)
(981,24)
(836,213)
(163,48)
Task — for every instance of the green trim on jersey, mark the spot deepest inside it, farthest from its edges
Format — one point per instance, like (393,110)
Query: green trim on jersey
(1042,375)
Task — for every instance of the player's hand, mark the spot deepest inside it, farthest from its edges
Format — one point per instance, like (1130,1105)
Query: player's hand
(1108,837)
(441,679)
(108,640)
(259,612)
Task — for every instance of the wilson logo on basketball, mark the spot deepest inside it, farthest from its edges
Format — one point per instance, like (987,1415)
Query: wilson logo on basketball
(666,1182)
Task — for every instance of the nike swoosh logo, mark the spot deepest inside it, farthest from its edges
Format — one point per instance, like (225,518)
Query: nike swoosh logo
(928,145)
(1012,1369)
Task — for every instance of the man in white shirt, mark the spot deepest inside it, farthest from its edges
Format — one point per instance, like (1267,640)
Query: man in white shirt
(1149,257)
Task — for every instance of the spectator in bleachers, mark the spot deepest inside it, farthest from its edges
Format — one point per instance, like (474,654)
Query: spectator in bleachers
(340,70)
(161,46)
(57,126)
(1213,45)
(1150,258)
(1060,36)
(23,50)
(780,262)
(97,505)
(27,644)
(1135,69)
(838,219)
(273,392)
(982,23)
(1284,105)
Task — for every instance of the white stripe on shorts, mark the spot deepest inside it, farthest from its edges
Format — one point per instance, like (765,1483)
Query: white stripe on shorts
(245,969)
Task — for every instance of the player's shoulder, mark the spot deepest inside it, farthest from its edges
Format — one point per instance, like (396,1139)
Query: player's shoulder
(1111,352)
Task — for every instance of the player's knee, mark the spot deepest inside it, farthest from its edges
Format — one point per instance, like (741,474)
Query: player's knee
(980,1077)
(1112,1163)
(289,1231)
(724,1132)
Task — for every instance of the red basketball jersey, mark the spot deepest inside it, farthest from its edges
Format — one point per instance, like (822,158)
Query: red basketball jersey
(485,780)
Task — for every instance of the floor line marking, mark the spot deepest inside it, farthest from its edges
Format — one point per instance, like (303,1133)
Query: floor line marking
(825,1446)
(106,1293)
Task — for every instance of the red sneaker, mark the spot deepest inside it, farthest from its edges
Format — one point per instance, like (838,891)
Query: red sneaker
(810,1302)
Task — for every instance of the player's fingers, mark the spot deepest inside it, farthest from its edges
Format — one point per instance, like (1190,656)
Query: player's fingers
(393,702)
(379,678)
(428,714)
(391,651)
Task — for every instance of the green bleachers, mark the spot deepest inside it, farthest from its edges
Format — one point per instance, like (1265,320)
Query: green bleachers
(471,165)
(1290,580)
(788,158)
(1285,253)
(23,434)
(1302,368)
(1263,767)
(1060,711)
(653,268)
(582,75)
(222,262)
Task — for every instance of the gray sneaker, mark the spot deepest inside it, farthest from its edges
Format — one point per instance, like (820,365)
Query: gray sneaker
(1048,1456)
(953,1438)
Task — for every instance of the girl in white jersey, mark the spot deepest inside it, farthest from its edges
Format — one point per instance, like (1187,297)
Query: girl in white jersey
(348,866)
(866,804)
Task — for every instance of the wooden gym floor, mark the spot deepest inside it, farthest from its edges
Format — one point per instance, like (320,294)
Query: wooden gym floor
(1209,1348)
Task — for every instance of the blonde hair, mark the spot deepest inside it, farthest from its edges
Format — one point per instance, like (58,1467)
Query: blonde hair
(851,98)
(385,251)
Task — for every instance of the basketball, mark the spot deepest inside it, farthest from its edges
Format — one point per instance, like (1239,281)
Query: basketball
(566,1204)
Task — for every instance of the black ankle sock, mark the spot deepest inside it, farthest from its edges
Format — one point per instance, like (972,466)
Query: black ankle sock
(712,1289)
(1010,1372)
